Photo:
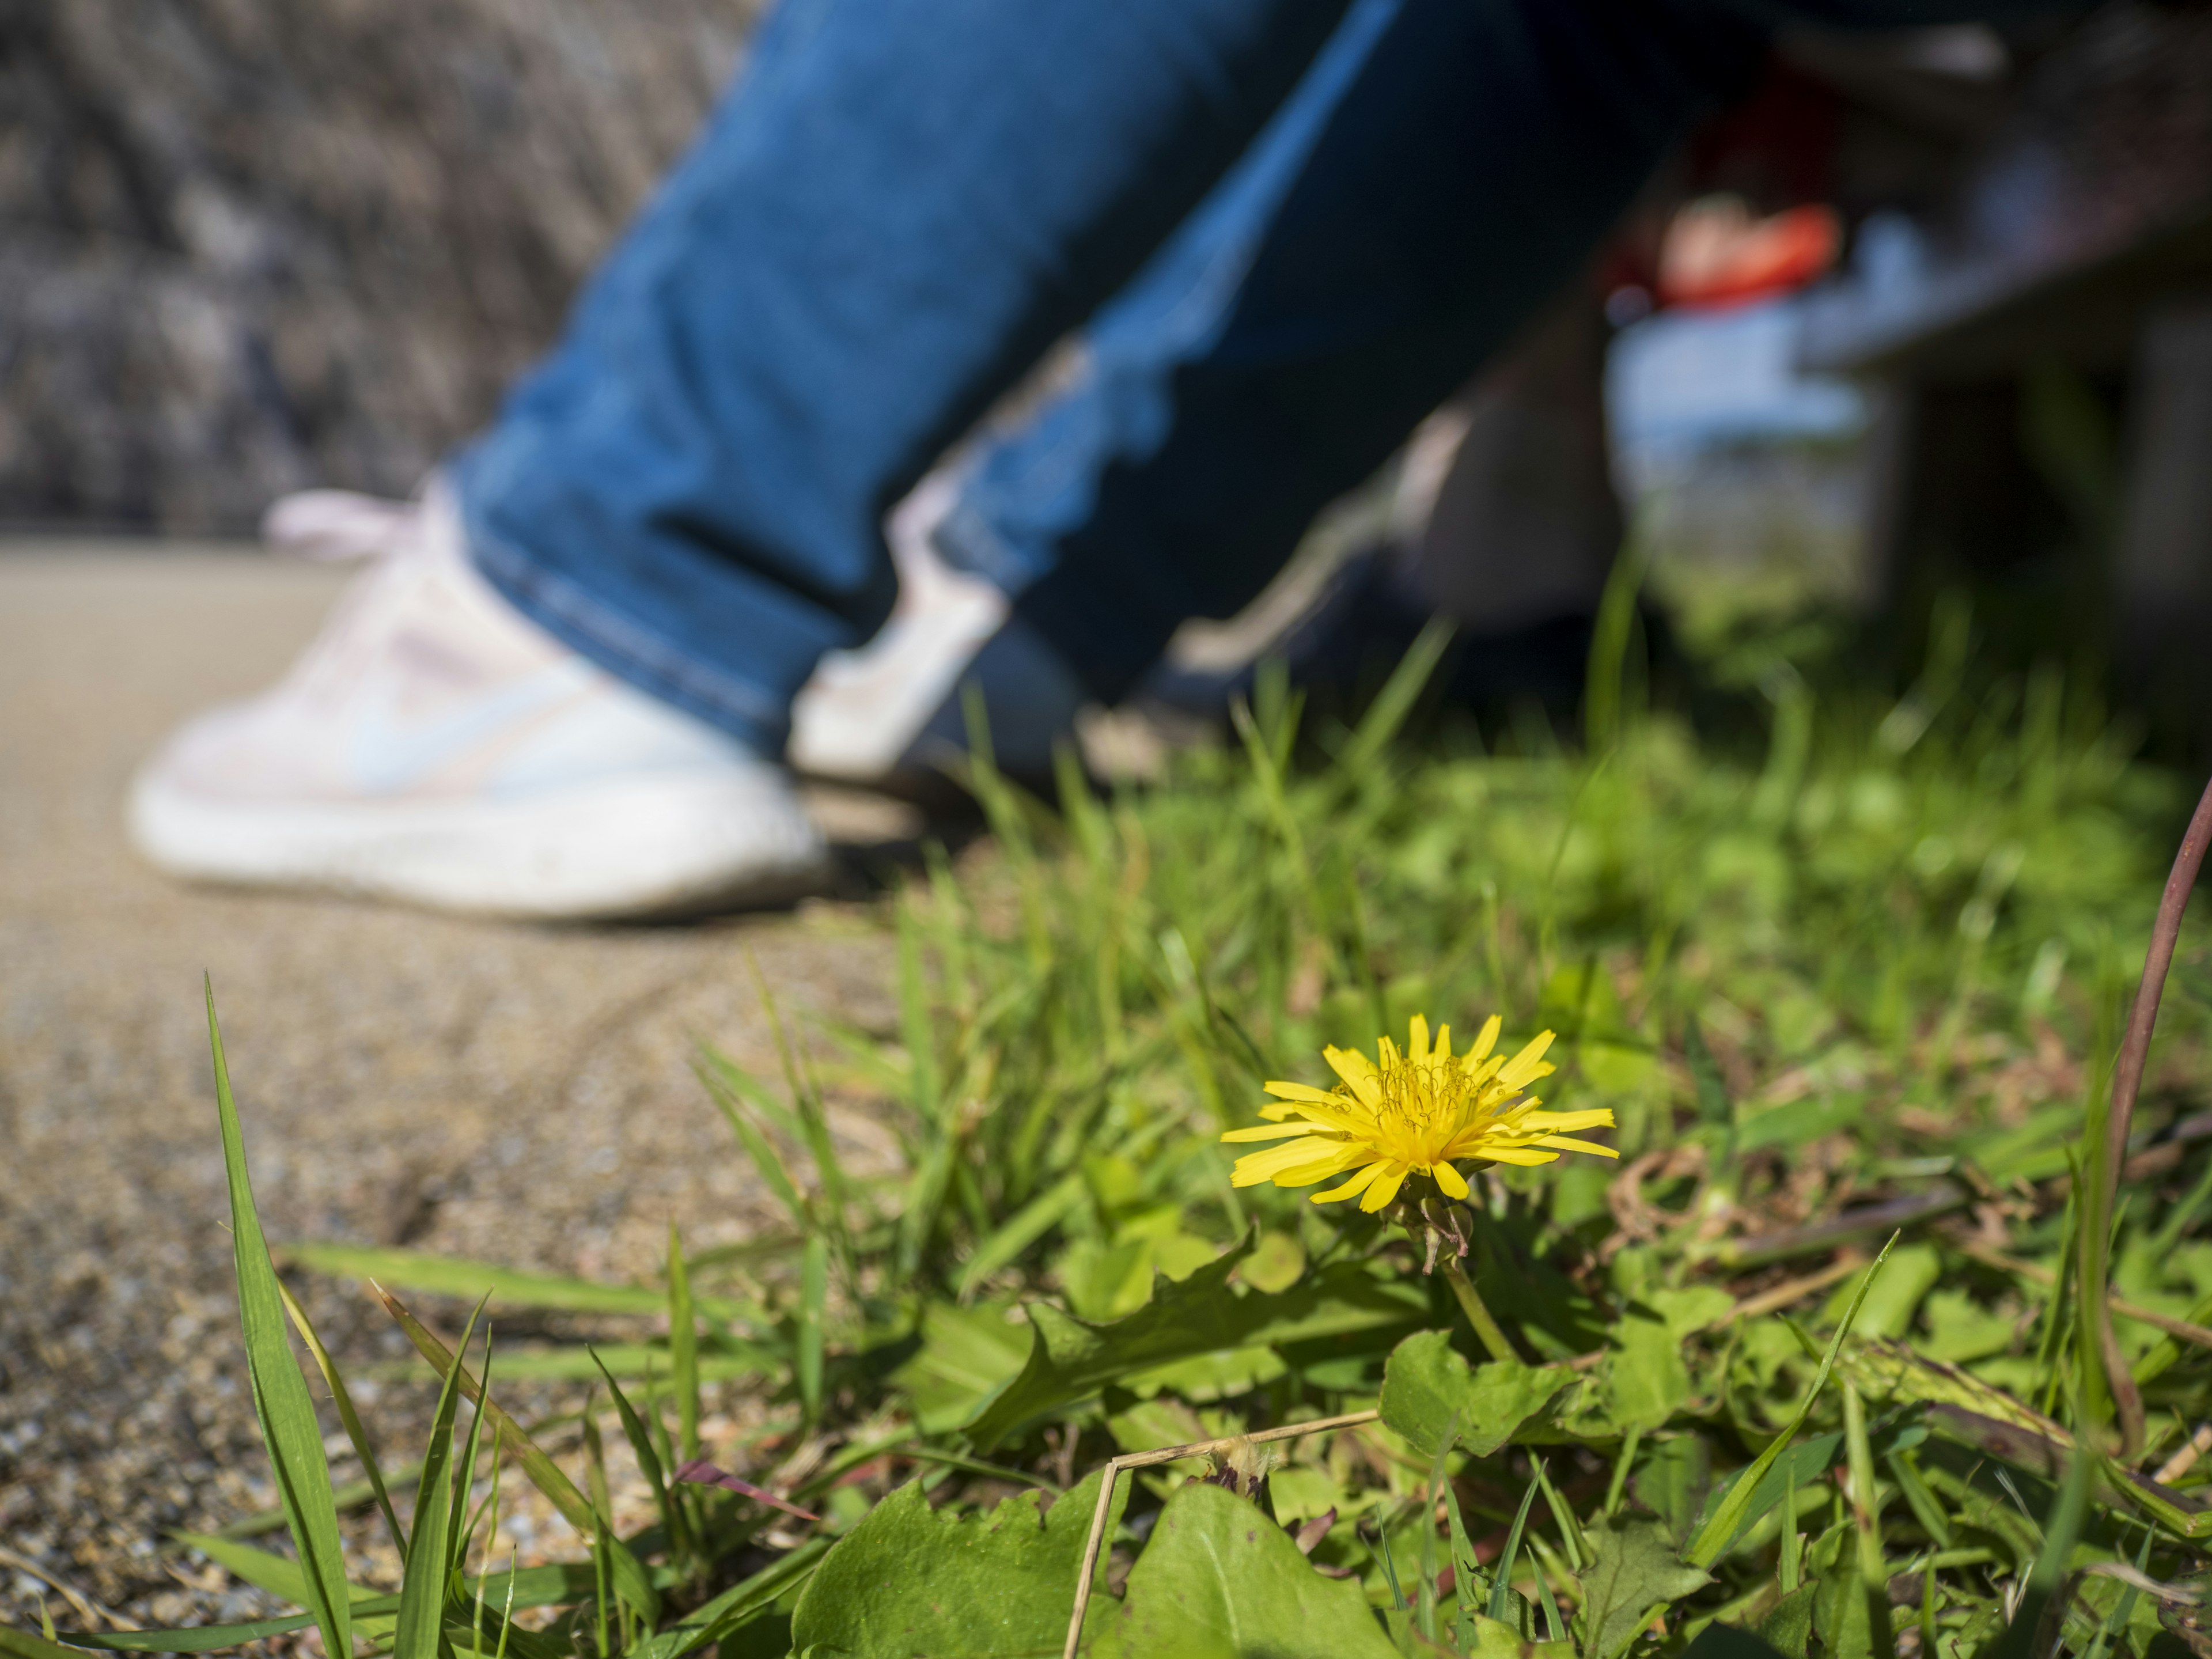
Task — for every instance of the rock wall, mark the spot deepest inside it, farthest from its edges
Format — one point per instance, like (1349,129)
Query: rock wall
(247,246)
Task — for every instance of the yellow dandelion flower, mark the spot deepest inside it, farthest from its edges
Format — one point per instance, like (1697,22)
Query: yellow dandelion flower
(1417,1112)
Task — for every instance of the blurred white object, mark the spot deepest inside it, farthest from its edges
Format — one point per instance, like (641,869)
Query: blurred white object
(435,746)
(861,713)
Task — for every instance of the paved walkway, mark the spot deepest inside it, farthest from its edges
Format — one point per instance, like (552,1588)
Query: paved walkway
(478,1088)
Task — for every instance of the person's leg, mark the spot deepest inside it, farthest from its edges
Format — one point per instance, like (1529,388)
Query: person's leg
(1297,328)
(894,212)
(1335,287)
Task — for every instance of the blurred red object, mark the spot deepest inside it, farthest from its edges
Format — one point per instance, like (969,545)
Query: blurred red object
(1715,253)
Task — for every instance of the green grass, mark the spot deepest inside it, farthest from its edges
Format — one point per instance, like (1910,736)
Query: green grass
(1875,955)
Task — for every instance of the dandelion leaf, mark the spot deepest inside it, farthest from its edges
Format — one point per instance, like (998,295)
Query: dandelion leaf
(1733,1641)
(1428,1388)
(1788,1627)
(910,1580)
(1633,1573)
(1204,1314)
(965,1354)
(1646,1378)
(1219,1580)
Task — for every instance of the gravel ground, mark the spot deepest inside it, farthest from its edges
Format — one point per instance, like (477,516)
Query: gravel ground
(516,1094)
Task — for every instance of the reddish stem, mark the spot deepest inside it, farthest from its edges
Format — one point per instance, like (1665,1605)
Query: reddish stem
(2127,1083)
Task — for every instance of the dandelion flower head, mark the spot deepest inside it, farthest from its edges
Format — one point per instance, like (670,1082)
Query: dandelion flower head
(1418,1111)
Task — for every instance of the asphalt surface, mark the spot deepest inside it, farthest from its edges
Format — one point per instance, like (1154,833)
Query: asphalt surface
(517,1094)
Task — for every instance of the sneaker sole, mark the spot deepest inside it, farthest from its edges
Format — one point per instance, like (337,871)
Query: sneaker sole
(646,848)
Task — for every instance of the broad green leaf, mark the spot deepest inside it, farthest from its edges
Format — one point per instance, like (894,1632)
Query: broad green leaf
(1913,1270)
(965,1354)
(288,1428)
(1646,1378)
(1428,1385)
(1633,1572)
(1208,1377)
(441,1275)
(1732,1642)
(1219,1580)
(1839,1608)
(1788,1627)
(910,1580)
(1692,1308)
(1496,1639)
(1070,1358)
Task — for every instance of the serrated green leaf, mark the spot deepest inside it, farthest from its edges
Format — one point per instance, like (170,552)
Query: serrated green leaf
(1788,1627)
(1646,1379)
(1427,1385)
(1633,1572)
(1218,1579)
(1070,1358)
(910,1580)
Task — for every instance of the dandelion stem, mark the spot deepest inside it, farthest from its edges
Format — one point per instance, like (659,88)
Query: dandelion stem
(1470,1304)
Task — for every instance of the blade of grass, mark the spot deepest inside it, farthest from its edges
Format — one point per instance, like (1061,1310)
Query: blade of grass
(915,1029)
(288,1428)
(735,1606)
(541,1471)
(355,1432)
(813,1297)
(1427,1610)
(1720,1528)
(429,1553)
(437,1275)
(1501,1586)
(806,1102)
(1387,713)
(1873,1573)
(649,1459)
(1571,1531)
(21,1644)
(682,1346)
(631,1360)
(1021,1230)
(1465,1566)
(464,1475)
(765,1158)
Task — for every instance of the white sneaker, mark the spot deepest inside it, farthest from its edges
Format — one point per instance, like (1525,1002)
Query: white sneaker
(435,746)
(890,715)
(860,716)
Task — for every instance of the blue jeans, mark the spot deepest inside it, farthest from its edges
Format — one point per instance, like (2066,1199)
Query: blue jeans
(1294,225)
